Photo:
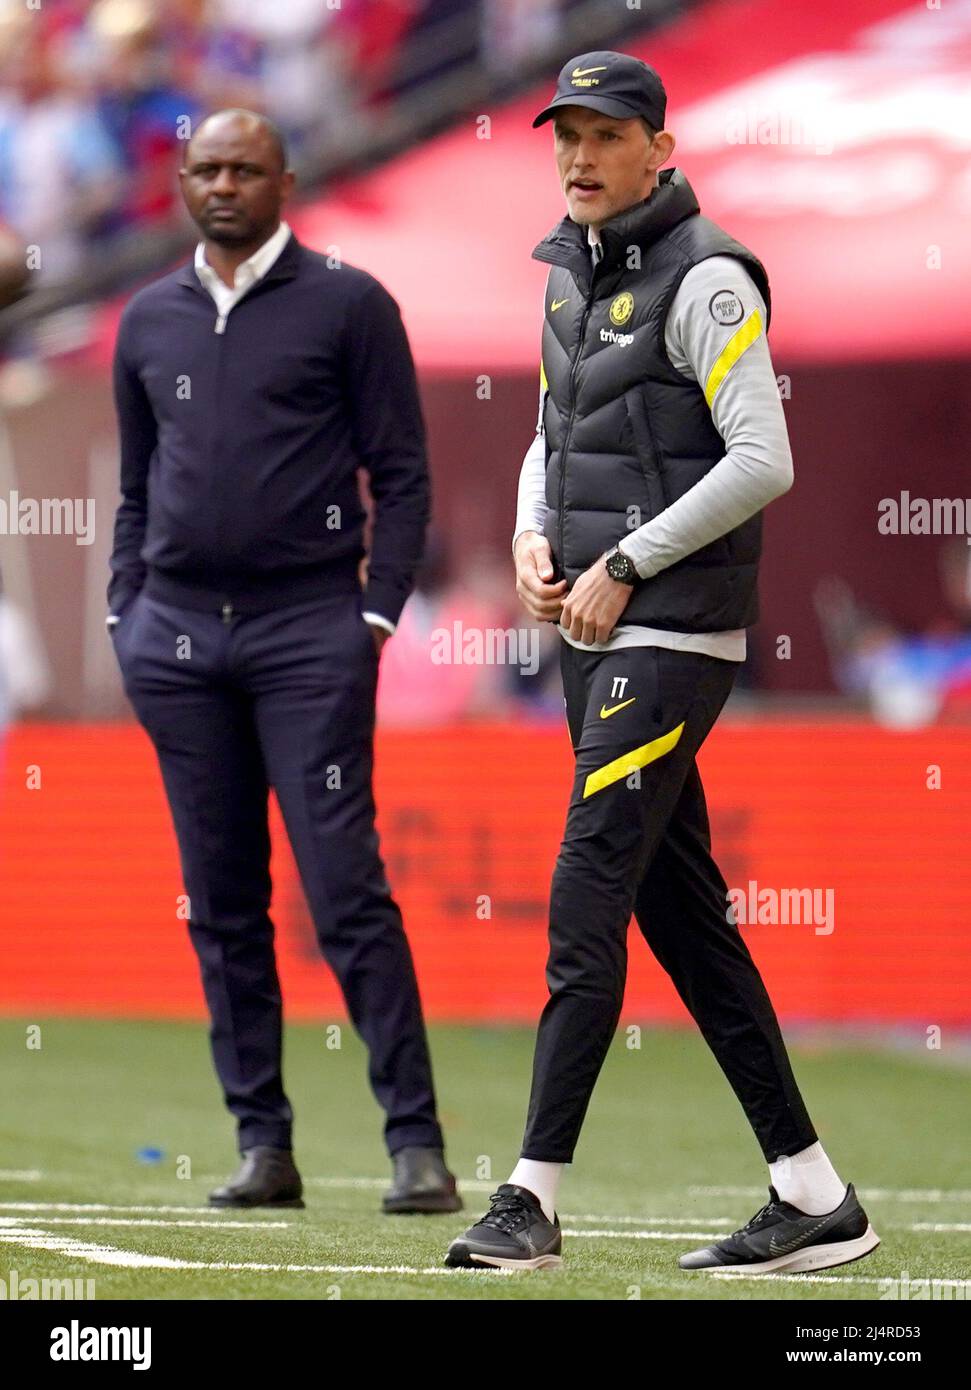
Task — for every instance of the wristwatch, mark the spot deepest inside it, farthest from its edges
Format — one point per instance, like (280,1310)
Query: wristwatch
(620,566)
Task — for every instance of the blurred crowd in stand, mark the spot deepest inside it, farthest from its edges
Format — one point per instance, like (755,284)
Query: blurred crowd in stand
(96,98)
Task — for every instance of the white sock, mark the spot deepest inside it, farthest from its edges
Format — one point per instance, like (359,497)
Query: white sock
(541,1179)
(808,1181)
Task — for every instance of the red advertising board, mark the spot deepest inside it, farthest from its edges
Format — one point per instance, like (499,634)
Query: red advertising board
(873,823)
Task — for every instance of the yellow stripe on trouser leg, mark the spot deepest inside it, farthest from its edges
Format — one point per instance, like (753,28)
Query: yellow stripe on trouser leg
(630,762)
(731,352)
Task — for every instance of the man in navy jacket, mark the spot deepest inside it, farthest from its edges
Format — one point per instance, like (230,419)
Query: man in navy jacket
(250,387)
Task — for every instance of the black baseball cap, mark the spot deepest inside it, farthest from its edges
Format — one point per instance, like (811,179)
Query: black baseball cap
(614,83)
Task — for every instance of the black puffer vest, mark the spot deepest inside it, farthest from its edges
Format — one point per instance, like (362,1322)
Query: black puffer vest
(627,434)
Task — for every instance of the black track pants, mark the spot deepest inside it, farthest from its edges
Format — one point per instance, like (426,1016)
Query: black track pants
(637,840)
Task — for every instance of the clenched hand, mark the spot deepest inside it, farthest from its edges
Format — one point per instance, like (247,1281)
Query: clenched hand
(542,600)
(594,604)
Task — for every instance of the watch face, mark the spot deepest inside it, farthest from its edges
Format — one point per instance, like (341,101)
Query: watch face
(620,567)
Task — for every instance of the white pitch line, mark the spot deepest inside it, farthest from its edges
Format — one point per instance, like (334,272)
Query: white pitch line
(37,1211)
(106,1206)
(937,1226)
(875,1194)
(940,1227)
(364,1184)
(146,1221)
(20,1175)
(215,1220)
(646,1220)
(643,1235)
(131,1259)
(80,1249)
(377,1184)
(835,1278)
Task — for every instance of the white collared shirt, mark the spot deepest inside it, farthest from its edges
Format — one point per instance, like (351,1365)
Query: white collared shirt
(228,296)
(247,274)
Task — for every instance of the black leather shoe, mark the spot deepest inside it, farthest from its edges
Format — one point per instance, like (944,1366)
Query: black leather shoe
(265,1178)
(421,1183)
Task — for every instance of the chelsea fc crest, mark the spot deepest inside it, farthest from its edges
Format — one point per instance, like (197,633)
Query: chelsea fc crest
(622,308)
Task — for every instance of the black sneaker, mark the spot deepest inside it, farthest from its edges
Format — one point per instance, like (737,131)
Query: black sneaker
(514,1234)
(781,1238)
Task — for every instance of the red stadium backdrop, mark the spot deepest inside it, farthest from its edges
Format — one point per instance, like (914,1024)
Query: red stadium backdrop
(470,819)
(830,137)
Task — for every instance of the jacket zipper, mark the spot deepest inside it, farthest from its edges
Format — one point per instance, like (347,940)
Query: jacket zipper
(573,407)
(220,374)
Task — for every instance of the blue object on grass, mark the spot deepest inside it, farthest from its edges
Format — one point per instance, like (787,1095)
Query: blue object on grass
(150,1155)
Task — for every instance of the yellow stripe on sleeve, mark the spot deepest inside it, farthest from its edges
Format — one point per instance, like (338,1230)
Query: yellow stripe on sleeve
(543,383)
(738,343)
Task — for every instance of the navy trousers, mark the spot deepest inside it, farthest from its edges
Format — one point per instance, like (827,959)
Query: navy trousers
(234,705)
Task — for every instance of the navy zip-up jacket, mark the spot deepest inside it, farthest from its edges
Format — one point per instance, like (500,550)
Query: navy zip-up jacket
(240,449)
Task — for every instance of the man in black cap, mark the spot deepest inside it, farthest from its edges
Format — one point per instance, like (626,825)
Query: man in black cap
(660,438)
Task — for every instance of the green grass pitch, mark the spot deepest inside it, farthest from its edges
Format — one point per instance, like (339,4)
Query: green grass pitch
(665,1162)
